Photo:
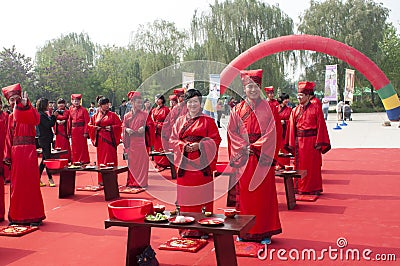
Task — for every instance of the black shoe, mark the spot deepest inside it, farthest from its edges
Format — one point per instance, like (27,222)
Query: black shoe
(36,224)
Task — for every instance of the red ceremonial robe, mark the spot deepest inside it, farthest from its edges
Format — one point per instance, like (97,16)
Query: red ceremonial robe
(105,141)
(61,132)
(195,182)
(3,167)
(179,110)
(77,126)
(284,115)
(158,116)
(308,138)
(135,147)
(254,128)
(26,203)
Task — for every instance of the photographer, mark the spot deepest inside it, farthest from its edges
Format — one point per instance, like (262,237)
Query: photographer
(46,135)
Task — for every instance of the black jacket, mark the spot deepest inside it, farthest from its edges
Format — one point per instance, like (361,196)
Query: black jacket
(45,131)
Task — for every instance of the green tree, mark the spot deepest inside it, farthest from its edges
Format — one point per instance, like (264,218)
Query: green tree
(65,66)
(16,68)
(390,47)
(357,23)
(232,27)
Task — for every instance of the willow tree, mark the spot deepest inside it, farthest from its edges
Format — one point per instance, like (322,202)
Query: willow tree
(357,23)
(231,27)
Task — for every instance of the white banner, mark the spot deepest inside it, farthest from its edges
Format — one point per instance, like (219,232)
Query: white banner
(330,91)
(349,85)
(188,80)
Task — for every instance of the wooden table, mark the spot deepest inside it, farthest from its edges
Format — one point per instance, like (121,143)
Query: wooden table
(289,186)
(139,233)
(110,180)
(170,156)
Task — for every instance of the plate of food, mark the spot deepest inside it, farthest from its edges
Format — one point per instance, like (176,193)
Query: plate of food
(289,171)
(158,218)
(72,166)
(211,221)
(181,220)
(16,230)
(106,167)
(90,167)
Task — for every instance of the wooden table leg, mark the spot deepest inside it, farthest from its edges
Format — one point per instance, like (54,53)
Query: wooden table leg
(67,184)
(290,196)
(138,240)
(172,165)
(225,250)
(110,182)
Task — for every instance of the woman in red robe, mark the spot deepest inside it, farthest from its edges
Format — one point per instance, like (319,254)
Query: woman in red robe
(195,139)
(308,138)
(26,203)
(158,116)
(252,138)
(284,114)
(61,130)
(134,127)
(78,129)
(105,133)
(3,130)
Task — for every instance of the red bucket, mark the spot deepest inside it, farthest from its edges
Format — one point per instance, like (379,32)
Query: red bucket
(130,209)
(56,163)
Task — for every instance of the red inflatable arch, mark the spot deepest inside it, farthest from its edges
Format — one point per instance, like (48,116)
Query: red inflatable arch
(323,45)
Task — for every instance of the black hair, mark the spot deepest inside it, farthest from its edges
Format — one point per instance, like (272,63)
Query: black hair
(103,101)
(42,104)
(61,100)
(146,100)
(192,93)
(160,96)
(282,97)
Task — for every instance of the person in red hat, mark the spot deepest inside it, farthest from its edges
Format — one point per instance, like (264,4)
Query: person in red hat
(252,141)
(158,116)
(3,171)
(105,128)
(78,129)
(134,127)
(61,129)
(178,110)
(26,202)
(284,111)
(173,101)
(269,92)
(308,138)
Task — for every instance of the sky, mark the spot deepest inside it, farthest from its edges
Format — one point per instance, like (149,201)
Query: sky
(29,24)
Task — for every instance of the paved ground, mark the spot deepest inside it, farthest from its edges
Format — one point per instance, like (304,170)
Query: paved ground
(365,131)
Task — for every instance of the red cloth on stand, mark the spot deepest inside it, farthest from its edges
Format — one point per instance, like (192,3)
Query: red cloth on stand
(284,115)
(135,146)
(255,128)
(26,203)
(77,126)
(158,116)
(106,142)
(308,138)
(61,133)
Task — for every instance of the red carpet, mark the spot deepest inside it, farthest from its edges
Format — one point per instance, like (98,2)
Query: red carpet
(359,207)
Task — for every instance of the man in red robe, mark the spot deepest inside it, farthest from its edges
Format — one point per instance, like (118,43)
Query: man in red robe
(26,203)
(269,92)
(134,126)
(61,129)
(158,116)
(177,111)
(105,133)
(308,138)
(284,111)
(173,101)
(196,153)
(3,130)
(78,129)
(252,141)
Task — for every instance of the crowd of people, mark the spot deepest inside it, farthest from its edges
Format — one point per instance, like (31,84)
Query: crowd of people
(258,131)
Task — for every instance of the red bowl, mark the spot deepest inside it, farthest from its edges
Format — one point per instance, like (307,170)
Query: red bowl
(56,163)
(230,213)
(130,209)
(159,208)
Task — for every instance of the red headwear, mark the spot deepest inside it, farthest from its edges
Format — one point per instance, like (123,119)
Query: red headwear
(179,92)
(12,90)
(248,76)
(269,89)
(305,87)
(76,96)
(132,94)
(173,98)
